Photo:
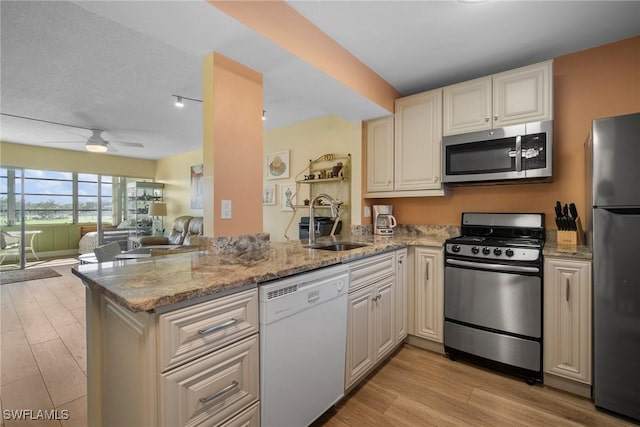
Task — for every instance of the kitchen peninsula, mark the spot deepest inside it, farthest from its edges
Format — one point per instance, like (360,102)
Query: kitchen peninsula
(173,339)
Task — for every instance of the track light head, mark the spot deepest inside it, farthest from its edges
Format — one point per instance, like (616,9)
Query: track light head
(179,102)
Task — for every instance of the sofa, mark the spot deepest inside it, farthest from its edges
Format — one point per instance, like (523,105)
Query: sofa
(184,231)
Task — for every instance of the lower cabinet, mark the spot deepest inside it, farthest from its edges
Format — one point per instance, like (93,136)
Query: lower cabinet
(402,296)
(567,320)
(427,293)
(374,313)
(212,388)
(194,365)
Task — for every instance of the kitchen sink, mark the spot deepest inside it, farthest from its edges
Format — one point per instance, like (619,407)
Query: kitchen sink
(340,246)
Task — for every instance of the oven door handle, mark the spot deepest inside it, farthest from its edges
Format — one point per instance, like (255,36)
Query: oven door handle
(496,267)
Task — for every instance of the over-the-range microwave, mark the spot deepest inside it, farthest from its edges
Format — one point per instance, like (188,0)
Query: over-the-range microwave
(510,153)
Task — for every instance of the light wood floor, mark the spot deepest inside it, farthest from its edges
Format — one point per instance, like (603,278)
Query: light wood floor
(43,348)
(420,388)
(43,366)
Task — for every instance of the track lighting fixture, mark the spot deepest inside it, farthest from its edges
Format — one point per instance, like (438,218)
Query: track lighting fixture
(264,117)
(180,100)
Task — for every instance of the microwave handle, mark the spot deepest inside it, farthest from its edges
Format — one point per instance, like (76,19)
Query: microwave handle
(518,153)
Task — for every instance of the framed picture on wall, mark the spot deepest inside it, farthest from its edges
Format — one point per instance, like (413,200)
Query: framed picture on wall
(287,197)
(278,165)
(197,184)
(269,194)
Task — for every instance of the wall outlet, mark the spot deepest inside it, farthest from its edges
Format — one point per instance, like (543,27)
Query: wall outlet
(367,211)
(226,209)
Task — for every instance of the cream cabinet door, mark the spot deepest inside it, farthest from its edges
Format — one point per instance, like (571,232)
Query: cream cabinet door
(380,155)
(467,106)
(523,95)
(429,293)
(384,317)
(213,388)
(418,140)
(567,319)
(401,295)
(360,334)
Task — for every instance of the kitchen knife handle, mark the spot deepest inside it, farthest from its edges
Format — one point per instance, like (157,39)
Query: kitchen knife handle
(573,210)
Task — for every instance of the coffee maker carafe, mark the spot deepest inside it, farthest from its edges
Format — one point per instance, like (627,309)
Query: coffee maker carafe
(383,220)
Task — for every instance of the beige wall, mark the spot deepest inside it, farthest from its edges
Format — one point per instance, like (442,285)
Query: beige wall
(31,157)
(306,141)
(599,82)
(175,173)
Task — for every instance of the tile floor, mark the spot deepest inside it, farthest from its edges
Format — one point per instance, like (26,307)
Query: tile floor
(43,349)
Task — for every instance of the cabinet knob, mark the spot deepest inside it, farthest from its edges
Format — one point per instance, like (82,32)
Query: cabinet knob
(495,117)
(486,119)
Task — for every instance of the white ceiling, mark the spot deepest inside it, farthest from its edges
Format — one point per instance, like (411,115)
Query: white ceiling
(113,65)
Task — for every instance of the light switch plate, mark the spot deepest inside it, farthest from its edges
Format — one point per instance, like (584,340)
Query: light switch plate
(226,209)
(367,211)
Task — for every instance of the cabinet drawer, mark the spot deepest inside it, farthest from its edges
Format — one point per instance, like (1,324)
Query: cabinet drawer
(250,417)
(368,270)
(211,389)
(189,332)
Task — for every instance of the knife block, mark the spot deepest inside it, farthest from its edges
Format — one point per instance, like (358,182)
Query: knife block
(571,237)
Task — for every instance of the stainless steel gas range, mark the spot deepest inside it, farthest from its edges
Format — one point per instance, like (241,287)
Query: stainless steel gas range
(493,292)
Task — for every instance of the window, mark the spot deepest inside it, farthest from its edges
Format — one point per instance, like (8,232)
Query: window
(48,196)
(54,197)
(88,198)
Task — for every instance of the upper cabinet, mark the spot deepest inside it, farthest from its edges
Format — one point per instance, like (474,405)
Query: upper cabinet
(418,140)
(512,97)
(403,152)
(380,155)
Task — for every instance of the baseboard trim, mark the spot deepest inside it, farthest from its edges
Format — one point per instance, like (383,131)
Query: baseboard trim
(570,386)
(425,344)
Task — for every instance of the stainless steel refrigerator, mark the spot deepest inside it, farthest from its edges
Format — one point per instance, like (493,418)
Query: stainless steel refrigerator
(613,200)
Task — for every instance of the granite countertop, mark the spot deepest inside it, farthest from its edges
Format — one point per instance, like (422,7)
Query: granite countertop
(552,249)
(150,283)
(159,281)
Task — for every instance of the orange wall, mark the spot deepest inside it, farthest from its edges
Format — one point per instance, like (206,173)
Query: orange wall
(282,24)
(232,152)
(599,82)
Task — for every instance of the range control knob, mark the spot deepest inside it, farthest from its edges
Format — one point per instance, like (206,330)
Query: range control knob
(497,251)
(486,251)
(455,248)
(475,250)
(509,252)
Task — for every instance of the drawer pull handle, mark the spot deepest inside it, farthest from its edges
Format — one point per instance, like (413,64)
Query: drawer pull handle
(218,327)
(567,290)
(227,389)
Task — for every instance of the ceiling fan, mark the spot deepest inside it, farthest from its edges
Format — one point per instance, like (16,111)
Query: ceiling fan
(97,144)
(94,143)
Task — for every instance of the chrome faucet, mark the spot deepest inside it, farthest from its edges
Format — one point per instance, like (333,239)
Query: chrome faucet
(312,220)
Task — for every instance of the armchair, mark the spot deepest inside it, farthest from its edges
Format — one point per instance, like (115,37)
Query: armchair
(183,230)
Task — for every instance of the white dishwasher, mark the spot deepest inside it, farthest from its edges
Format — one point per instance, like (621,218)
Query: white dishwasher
(303,327)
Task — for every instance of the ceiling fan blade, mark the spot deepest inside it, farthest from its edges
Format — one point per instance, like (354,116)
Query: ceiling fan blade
(129,144)
(81,136)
